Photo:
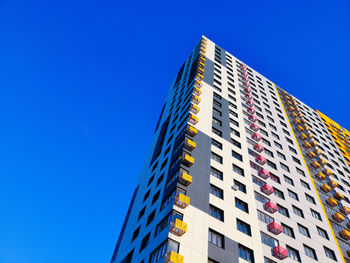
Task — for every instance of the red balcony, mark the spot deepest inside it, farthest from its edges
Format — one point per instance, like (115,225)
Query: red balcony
(275,228)
(248,96)
(259,148)
(253,118)
(248,90)
(267,189)
(254,127)
(280,252)
(246,84)
(260,160)
(251,110)
(270,207)
(264,173)
(256,137)
(250,103)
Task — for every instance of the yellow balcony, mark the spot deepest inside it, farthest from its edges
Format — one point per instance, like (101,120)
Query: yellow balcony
(313,142)
(189,144)
(196,99)
(299,128)
(317,151)
(338,196)
(294,115)
(202,58)
(200,70)
(173,257)
(193,119)
(326,188)
(185,178)
(307,145)
(187,160)
(194,109)
(345,234)
(197,91)
(297,121)
(322,161)
(327,172)
(320,176)
(315,165)
(200,76)
(332,202)
(311,154)
(338,217)
(201,63)
(178,227)
(291,108)
(301,115)
(191,131)
(332,183)
(182,200)
(303,136)
(202,52)
(198,84)
(345,210)
(307,127)
(303,120)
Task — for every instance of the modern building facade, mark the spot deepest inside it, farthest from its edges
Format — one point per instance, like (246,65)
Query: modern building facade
(239,170)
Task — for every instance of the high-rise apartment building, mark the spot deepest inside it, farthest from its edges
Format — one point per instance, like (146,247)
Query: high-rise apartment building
(239,170)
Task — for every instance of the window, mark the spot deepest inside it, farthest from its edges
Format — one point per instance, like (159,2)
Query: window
(296,160)
(275,178)
(245,253)
(281,155)
(237,155)
(271,164)
(284,167)
(269,153)
(142,212)
(216,238)
(217,112)
(267,260)
(278,145)
(305,184)
(155,197)
(292,149)
(241,205)
(216,144)
(278,193)
(236,143)
(259,197)
(212,261)
(330,253)
(293,254)
(316,214)
(216,191)
(293,195)
(268,240)
(310,252)
(300,171)
(288,230)
(216,157)
(216,131)
(237,169)
(151,217)
(303,230)
(298,211)
(216,173)
(323,233)
(216,121)
(243,227)
(275,135)
(310,198)
(136,233)
(288,180)
(216,212)
(241,187)
(282,210)
(145,241)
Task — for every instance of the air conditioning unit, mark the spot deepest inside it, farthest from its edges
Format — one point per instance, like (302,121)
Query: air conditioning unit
(235,187)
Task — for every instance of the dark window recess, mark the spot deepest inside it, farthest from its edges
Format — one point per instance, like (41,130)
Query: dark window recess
(160,141)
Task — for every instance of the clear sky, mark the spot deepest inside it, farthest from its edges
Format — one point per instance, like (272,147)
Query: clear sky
(83,82)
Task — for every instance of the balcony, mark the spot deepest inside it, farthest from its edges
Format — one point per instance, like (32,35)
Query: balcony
(338,196)
(200,70)
(197,91)
(275,228)
(253,118)
(254,127)
(187,160)
(193,119)
(264,173)
(260,160)
(248,96)
(345,210)
(291,108)
(280,252)
(178,227)
(256,137)
(196,99)
(311,154)
(194,109)
(201,64)
(307,127)
(173,257)
(313,142)
(267,189)
(303,136)
(297,121)
(338,217)
(315,165)
(299,128)
(303,120)
(317,151)
(321,161)
(247,90)
(250,103)
(251,110)
(199,77)
(320,176)
(191,130)
(189,144)
(326,188)
(182,200)
(307,145)
(332,183)
(327,172)
(198,84)
(332,202)
(294,115)
(258,147)
(345,234)
(270,207)
(185,178)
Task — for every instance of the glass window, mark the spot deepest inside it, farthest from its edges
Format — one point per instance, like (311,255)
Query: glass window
(265,218)
(216,191)
(216,157)
(245,253)
(216,238)
(216,212)
(293,254)
(216,144)
(241,187)
(316,214)
(330,253)
(310,252)
(243,227)
(238,170)
(288,230)
(298,211)
(303,230)
(293,195)
(288,180)
(241,205)
(322,233)
(268,240)
(282,210)
(216,173)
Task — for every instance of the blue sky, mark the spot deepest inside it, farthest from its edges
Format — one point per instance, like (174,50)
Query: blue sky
(83,82)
